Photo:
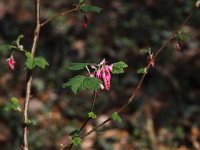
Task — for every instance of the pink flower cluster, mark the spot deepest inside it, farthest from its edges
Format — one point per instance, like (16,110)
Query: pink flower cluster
(11,63)
(103,72)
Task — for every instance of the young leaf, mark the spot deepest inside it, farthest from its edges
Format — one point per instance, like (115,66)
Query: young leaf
(5,47)
(77,66)
(180,36)
(116,117)
(40,62)
(92,115)
(90,8)
(118,67)
(30,63)
(14,104)
(33,62)
(82,1)
(142,70)
(76,140)
(80,82)
(31,122)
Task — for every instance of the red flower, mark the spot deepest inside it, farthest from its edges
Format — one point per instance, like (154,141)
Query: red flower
(11,63)
(85,22)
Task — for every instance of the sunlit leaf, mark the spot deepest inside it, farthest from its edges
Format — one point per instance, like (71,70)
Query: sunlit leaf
(12,105)
(142,70)
(118,67)
(76,140)
(115,117)
(92,115)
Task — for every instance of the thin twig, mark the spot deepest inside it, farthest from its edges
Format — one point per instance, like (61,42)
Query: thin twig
(29,77)
(60,14)
(84,124)
(136,91)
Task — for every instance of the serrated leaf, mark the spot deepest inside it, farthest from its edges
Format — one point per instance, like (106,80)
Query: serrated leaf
(92,115)
(118,67)
(5,47)
(90,8)
(142,70)
(80,82)
(91,83)
(75,83)
(77,66)
(76,140)
(116,117)
(40,62)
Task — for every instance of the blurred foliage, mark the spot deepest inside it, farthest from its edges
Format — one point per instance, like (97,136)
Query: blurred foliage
(169,96)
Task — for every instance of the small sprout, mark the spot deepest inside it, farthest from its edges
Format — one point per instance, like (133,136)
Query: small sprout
(92,115)
(13,105)
(31,122)
(115,116)
(142,70)
(76,140)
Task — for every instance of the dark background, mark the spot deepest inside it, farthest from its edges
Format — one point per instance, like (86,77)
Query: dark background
(164,115)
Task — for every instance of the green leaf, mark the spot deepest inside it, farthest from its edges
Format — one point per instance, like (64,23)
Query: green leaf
(90,8)
(92,115)
(31,122)
(81,1)
(78,66)
(76,140)
(33,62)
(118,67)
(12,105)
(40,62)
(142,70)
(80,82)
(116,117)
(180,36)
(75,83)
(91,83)
(29,61)
(5,47)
